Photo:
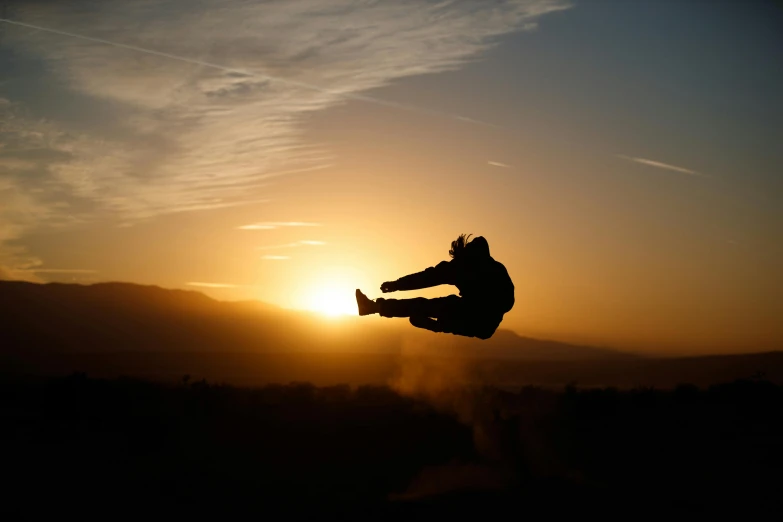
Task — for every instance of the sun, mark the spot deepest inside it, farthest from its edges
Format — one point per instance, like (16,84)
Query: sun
(333,300)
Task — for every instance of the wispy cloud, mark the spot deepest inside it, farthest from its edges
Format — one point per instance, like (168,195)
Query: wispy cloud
(246,72)
(661,165)
(174,106)
(275,258)
(30,272)
(62,271)
(270,225)
(213,285)
(293,244)
(498,164)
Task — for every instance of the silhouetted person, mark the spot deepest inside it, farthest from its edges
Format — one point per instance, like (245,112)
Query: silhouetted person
(485,287)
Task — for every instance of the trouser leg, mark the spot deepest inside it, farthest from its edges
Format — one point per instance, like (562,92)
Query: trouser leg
(419,307)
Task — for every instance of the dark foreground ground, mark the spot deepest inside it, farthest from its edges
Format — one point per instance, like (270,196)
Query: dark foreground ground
(334,367)
(118,449)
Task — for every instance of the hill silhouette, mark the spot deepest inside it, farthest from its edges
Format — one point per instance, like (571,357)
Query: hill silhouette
(114,329)
(118,317)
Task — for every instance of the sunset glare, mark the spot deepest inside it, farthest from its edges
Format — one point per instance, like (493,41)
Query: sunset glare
(332,300)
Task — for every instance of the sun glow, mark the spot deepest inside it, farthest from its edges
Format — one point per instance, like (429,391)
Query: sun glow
(333,300)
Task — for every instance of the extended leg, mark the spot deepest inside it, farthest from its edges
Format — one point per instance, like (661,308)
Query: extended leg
(419,307)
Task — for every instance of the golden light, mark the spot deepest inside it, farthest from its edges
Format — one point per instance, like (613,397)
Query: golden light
(333,300)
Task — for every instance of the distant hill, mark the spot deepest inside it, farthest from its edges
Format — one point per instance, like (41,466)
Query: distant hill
(114,329)
(37,319)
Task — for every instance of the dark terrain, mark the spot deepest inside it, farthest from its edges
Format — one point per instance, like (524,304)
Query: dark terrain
(126,448)
(115,406)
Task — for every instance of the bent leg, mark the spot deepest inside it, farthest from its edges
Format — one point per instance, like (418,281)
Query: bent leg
(457,326)
(427,323)
(464,324)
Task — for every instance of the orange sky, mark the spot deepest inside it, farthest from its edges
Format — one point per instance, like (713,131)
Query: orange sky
(634,198)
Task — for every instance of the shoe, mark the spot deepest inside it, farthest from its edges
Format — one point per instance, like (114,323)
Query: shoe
(366,305)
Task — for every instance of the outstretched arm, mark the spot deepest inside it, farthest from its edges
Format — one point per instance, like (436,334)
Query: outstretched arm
(439,274)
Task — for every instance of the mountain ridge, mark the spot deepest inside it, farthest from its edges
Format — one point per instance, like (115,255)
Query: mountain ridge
(120,316)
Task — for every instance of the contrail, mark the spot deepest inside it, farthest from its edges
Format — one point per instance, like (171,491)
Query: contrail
(246,72)
(661,165)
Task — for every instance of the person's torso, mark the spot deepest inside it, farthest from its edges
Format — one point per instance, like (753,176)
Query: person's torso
(485,282)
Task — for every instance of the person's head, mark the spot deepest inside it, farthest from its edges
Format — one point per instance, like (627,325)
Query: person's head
(463,247)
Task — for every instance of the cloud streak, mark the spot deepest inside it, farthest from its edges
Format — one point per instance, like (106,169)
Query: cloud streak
(660,165)
(498,164)
(292,245)
(275,258)
(213,285)
(271,225)
(62,271)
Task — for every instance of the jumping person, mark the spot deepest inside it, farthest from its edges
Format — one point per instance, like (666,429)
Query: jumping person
(486,293)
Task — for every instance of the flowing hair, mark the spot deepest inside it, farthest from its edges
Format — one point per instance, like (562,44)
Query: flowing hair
(458,245)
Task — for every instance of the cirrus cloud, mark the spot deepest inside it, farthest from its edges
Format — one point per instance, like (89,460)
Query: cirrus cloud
(171,106)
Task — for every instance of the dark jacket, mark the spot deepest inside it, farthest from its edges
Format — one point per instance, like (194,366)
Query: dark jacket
(481,280)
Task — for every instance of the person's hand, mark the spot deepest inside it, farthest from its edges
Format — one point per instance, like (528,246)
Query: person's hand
(389,286)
